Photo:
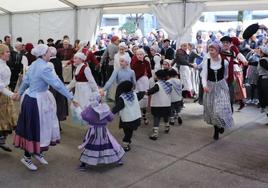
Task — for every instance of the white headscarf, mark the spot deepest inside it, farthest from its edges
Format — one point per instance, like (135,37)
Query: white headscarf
(81,56)
(39,50)
(53,51)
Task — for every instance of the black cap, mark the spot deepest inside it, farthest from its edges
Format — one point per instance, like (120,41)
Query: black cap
(226,39)
(250,30)
(161,74)
(50,40)
(172,73)
(166,40)
(125,86)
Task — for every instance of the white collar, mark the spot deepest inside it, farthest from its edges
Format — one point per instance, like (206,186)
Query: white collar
(2,61)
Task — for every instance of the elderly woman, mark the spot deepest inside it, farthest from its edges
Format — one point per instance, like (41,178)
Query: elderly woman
(7,115)
(155,58)
(122,51)
(216,100)
(143,72)
(183,64)
(38,126)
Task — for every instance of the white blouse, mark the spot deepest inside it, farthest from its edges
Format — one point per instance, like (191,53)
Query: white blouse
(5,74)
(214,65)
(89,76)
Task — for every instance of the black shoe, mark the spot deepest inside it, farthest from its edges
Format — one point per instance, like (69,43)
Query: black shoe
(179,120)
(5,148)
(82,167)
(153,137)
(216,133)
(221,130)
(242,105)
(171,123)
(126,148)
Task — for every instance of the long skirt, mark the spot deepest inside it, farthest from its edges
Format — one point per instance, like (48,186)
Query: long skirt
(83,94)
(100,147)
(143,85)
(8,117)
(62,104)
(217,107)
(38,126)
(239,88)
(185,74)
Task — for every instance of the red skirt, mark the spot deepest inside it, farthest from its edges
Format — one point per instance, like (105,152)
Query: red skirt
(239,88)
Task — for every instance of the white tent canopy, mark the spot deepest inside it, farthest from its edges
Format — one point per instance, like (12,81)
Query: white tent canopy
(35,19)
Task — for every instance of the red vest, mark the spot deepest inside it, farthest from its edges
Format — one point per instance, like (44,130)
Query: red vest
(81,77)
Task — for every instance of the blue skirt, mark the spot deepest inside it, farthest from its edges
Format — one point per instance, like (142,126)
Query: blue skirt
(27,134)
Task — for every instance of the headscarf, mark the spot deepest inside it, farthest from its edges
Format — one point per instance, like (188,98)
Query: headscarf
(39,50)
(81,55)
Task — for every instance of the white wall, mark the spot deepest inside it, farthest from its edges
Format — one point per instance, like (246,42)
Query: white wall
(4,26)
(34,26)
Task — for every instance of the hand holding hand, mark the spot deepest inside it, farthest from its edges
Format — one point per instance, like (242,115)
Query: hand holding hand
(101,92)
(75,103)
(15,97)
(206,90)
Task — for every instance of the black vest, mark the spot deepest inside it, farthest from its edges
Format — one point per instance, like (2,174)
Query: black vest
(215,75)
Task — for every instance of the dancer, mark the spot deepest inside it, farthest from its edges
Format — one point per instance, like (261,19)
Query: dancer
(119,75)
(160,102)
(143,73)
(176,97)
(217,105)
(127,104)
(7,116)
(99,146)
(38,125)
(83,81)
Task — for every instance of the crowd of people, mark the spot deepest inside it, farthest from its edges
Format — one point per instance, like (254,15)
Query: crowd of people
(134,75)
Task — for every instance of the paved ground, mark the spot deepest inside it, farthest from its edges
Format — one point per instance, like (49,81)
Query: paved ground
(187,157)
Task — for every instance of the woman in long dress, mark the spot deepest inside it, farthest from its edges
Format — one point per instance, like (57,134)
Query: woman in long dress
(83,81)
(217,106)
(143,73)
(38,126)
(7,116)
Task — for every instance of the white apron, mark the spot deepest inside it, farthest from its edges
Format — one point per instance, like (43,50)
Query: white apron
(185,74)
(143,85)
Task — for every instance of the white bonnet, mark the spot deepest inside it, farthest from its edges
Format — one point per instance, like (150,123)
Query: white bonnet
(126,58)
(81,56)
(39,50)
(122,44)
(53,51)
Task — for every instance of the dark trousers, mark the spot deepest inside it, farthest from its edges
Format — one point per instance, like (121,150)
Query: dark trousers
(128,134)
(263,91)
(157,120)
(231,91)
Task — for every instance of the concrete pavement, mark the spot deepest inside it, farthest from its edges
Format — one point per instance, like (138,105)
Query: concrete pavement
(187,157)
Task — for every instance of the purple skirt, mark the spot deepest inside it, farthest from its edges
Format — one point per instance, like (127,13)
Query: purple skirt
(100,147)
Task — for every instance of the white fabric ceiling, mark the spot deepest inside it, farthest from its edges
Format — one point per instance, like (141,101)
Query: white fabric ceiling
(18,6)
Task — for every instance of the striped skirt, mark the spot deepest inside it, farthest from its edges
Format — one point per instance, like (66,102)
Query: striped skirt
(217,107)
(100,147)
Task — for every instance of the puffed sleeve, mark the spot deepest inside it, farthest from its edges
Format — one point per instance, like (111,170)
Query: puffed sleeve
(25,84)
(90,79)
(50,78)
(204,73)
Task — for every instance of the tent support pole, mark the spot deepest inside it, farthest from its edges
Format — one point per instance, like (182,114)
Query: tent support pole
(184,13)
(76,23)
